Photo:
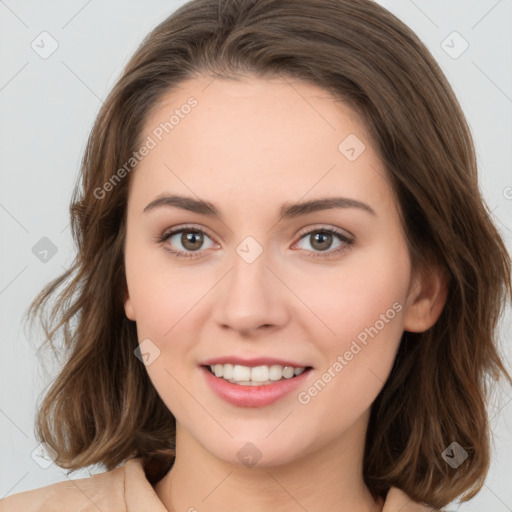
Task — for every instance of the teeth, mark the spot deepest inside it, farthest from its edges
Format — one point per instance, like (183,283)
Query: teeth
(254,376)
(227,370)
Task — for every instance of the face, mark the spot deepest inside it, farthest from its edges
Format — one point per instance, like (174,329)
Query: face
(325,289)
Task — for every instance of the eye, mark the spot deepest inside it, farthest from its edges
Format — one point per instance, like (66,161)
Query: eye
(191,240)
(322,238)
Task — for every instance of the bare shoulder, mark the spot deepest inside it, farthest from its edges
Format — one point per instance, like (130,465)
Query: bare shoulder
(103,491)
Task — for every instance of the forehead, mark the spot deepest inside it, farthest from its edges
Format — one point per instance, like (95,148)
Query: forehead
(255,138)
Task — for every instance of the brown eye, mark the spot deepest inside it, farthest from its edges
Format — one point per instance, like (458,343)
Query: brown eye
(185,241)
(321,240)
(191,240)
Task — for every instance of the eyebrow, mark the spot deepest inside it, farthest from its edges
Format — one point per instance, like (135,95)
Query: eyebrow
(286,211)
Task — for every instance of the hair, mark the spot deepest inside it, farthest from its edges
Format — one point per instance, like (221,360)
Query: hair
(102,407)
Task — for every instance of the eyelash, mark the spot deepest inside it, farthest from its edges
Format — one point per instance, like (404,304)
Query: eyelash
(322,254)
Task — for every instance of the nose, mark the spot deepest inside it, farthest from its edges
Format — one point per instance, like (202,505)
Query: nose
(252,297)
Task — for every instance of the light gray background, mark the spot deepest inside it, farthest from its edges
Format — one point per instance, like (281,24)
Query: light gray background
(47,110)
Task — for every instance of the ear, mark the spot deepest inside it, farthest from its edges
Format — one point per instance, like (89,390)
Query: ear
(128,306)
(426,299)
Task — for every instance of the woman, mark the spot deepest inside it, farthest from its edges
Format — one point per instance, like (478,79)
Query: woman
(281,297)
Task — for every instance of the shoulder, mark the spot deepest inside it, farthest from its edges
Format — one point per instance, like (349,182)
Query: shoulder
(111,491)
(103,491)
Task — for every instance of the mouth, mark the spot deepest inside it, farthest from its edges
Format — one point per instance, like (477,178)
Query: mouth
(254,386)
(263,375)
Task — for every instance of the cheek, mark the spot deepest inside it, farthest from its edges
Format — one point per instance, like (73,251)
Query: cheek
(160,291)
(162,296)
(361,305)
(363,308)
(167,307)
(354,295)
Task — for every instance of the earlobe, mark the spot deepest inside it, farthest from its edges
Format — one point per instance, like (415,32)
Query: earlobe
(128,307)
(426,300)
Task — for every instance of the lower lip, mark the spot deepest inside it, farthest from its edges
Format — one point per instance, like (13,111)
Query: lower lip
(253,396)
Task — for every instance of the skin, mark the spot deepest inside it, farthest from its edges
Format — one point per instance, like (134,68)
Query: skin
(249,147)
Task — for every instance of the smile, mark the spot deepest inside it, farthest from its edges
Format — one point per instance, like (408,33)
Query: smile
(248,393)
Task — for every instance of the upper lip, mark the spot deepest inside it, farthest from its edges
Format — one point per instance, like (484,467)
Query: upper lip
(257,361)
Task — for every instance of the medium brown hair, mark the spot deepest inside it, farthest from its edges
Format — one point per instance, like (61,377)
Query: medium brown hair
(102,407)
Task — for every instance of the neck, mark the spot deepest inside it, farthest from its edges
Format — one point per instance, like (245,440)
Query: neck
(328,478)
